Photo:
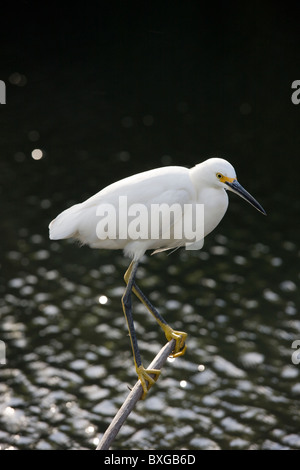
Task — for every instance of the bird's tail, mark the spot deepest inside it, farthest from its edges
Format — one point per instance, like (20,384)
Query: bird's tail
(65,224)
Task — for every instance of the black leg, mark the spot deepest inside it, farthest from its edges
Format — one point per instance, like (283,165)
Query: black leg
(179,336)
(148,304)
(144,375)
(127,307)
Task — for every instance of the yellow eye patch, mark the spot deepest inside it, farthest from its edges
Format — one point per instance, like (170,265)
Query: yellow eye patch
(224,179)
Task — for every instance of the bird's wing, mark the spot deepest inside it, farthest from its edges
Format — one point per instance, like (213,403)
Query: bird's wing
(152,189)
(169,185)
(145,188)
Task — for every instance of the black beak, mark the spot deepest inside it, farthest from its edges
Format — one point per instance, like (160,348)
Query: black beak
(237,188)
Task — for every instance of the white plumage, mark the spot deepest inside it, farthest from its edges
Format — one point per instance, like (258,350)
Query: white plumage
(142,195)
(205,183)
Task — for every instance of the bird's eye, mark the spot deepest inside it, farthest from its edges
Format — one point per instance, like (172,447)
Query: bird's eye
(219,176)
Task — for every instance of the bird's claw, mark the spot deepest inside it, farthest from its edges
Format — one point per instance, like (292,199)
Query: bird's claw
(145,378)
(179,353)
(180,338)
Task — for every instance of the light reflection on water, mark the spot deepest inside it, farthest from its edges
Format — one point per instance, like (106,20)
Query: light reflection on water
(69,361)
(68,356)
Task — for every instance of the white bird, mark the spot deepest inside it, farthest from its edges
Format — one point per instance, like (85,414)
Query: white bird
(120,216)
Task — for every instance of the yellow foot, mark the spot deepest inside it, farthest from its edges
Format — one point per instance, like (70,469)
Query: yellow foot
(145,378)
(180,337)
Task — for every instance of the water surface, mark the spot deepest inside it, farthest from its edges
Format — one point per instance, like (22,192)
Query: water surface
(68,357)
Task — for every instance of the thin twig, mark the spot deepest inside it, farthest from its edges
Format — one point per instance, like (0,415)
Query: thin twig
(133,397)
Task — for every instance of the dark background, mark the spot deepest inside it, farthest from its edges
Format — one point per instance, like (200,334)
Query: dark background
(215,78)
(106,90)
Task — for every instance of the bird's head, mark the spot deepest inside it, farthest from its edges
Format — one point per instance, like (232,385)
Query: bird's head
(220,173)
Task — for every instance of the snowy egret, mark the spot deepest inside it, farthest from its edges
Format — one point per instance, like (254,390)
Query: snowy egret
(205,184)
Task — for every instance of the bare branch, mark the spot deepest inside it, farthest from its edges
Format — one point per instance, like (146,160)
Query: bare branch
(133,397)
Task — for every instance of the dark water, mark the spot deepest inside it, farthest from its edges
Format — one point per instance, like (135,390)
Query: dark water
(105,103)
